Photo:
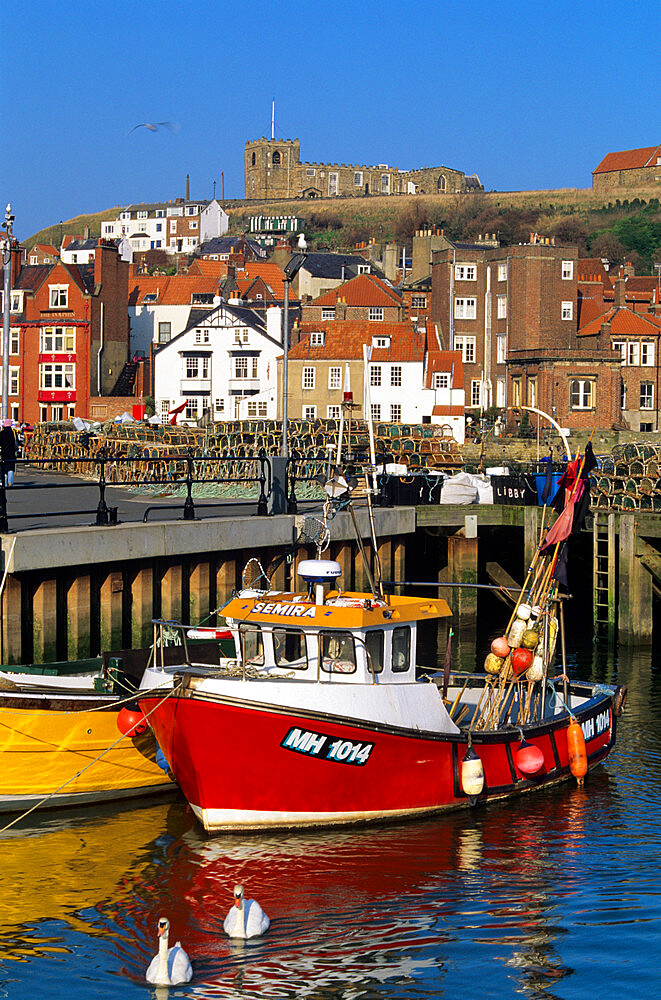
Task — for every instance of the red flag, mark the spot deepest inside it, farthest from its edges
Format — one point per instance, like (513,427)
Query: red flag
(561,529)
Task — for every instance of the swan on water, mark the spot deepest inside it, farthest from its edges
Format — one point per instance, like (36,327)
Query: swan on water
(172,965)
(246,919)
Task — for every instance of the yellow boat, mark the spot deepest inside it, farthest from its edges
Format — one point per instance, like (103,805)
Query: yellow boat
(67,749)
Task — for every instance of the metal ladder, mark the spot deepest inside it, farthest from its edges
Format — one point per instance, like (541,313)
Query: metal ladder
(604,584)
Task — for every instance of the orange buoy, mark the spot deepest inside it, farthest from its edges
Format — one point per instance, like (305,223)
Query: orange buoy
(131,722)
(578,758)
(500,647)
(521,660)
(529,759)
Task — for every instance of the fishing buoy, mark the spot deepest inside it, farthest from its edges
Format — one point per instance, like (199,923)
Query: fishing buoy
(578,759)
(523,612)
(529,759)
(500,646)
(472,774)
(535,612)
(131,722)
(536,669)
(521,660)
(529,639)
(493,663)
(516,632)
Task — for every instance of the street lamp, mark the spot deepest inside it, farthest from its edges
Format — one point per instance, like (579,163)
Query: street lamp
(9,219)
(292,268)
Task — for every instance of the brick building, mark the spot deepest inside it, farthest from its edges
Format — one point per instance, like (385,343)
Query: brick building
(364,297)
(69,335)
(628,168)
(273,169)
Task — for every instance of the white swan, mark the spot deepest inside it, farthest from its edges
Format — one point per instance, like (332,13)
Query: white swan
(172,965)
(246,919)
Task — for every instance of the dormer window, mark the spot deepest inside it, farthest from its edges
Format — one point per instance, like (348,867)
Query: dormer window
(364,269)
(150,297)
(317,338)
(382,343)
(441,380)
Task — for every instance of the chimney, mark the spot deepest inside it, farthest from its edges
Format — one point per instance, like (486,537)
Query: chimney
(187,187)
(86,233)
(605,331)
(340,309)
(620,285)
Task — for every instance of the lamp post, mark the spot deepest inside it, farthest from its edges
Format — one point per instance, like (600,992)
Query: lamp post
(6,304)
(291,270)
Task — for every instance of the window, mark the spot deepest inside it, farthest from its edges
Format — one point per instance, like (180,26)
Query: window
(441,380)
(160,213)
(328,312)
(475,392)
(198,336)
(516,391)
(581,394)
(375,410)
(173,225)
(240,368)
(289,648)
(647,395)
(150,297)
(191,408)
(57,340)
(252,645)
(375,313)
(13,381)
(317,338)
(159,227)
(374,650)
(567,270)
(502,272)
(381,342)
(396,375)
(164,332)
(363,269)
(375,375)
(165,410)
(192,224)
(191,367)
(57,412)
(255,367)
(338,652)
(396,413)
(500,392)
(334,377)
(501,350)
(467,347)
(309,413)
(418,301)
(332,184)
(43,413)
(310,172)
(623,395)
(621,346)
(646,426)
(502,307)
(275,160)
(385,183)
(219,405)
(57,377)
(14,340)
(143,215)
(465,308)
(16,302)
(532,391)
(401,649)
(647,353)
(59,296)
(358,178)
(567,310)
(465,272)
(257,408)
(308,377)
(633,352)
(333,412)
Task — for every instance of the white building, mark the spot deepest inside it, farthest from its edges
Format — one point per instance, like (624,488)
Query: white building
(161,307)
(82,251)
(174,226)
(225,365)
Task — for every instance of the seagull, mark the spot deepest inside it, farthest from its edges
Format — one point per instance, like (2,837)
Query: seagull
(246,919)
(154,126)
(172,965)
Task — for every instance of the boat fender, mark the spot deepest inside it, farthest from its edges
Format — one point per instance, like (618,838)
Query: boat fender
(131,722)
(529,759)
(521,660)
(529,639)
(493,663)
(536,670)
(500,647)
(472,775)
(523,612)
(578,760)
(516,632)
(619,701)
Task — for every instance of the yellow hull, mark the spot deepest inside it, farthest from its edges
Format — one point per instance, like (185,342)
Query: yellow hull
(41,751)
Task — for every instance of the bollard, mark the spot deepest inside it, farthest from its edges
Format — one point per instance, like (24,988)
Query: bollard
(292,504)
(102,509)
(262,508)
(189,506)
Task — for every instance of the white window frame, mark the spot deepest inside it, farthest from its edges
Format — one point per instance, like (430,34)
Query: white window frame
(465,307)
(502,272)
(58,296)
(465,272)
(375,314)
(467,345)
(585,393)
(647,353)
(375,412)
(60,339)
(418,302)
(567,310)
(502,307)
(219,405)
(240,368)
(328,312)
(14,340)
(567,270)
(192,408)
(501,350)
(14,380)
(500,392)
(647,400)
(621,346)
(441,380)
(516,390)
(358,178)
(54,376)
(164,335)
(317,338)
(376,376)
(308,377)
(633,354)
(333,411)
(335,377)
(309,411)
(396,376)
(16,302)
(385,183)
(476,392)
(396,413)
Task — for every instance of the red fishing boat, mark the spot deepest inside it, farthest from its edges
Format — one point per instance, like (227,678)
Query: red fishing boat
(321,717)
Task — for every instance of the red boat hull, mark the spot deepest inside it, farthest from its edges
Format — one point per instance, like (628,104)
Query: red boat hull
(247,767)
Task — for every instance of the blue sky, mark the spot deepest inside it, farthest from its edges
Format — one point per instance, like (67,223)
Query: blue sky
(526,95)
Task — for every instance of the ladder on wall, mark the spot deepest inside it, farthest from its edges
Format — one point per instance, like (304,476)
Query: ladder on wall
(604,582)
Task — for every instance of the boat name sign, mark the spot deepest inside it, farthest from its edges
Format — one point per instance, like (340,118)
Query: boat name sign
(293,610)
(326,748)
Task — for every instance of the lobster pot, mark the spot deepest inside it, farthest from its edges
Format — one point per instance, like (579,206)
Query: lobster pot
(516,632)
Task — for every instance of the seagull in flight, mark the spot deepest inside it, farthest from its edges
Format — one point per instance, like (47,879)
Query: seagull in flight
(154,126)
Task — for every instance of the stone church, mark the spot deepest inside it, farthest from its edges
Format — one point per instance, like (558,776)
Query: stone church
(273,170)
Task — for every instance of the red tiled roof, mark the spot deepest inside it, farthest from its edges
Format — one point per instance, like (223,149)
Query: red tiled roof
(443,361)
(592,269)
(363,290)
(448,411)
(345,338)
(589,307)
(623,322)
(174,290)
(271,274)
(628,159)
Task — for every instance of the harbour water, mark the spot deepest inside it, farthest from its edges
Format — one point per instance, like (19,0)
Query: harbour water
(557,895)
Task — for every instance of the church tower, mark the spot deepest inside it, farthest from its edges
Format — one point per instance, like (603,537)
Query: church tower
(271,168)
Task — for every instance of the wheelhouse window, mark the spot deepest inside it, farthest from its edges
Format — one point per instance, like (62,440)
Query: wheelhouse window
(374,649)
(252,645)
(289,648)
(401,649)
(338,652)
